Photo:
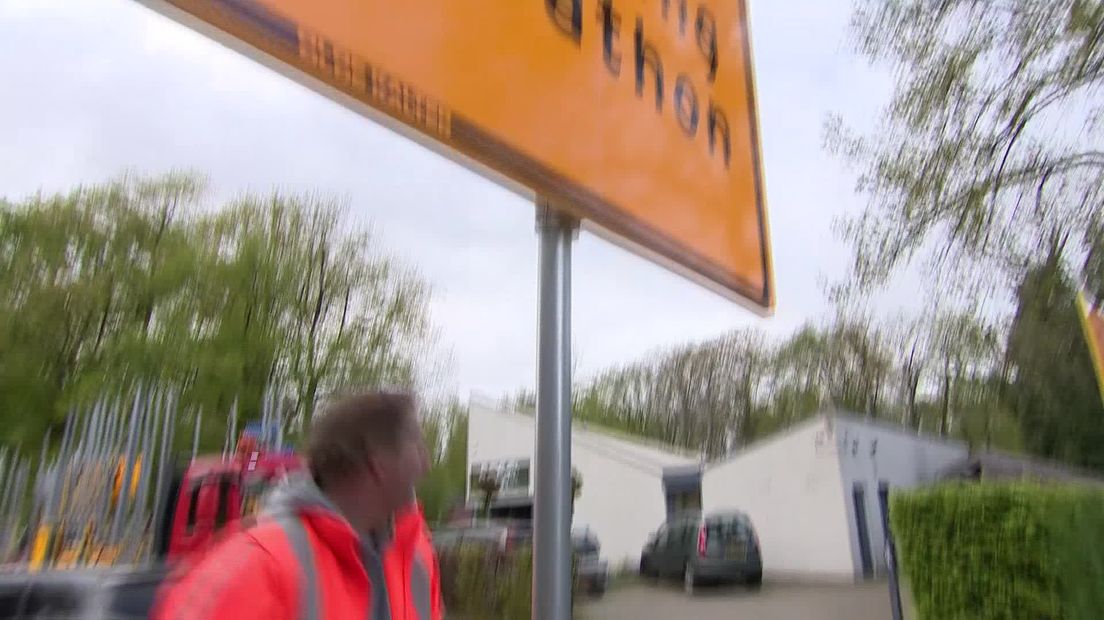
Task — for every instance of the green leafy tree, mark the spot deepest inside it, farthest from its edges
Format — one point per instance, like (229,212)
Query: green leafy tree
(130,281)
(1053,389)
(940,372)
(912,339)
(324,309)
(444,485)
(93,282)
(990,148)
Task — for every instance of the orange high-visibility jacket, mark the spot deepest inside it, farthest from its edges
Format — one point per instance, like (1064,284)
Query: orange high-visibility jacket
(303,561)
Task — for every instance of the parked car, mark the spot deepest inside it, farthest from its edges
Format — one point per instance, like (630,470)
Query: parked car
(503,535)
(592,571)
(701,549)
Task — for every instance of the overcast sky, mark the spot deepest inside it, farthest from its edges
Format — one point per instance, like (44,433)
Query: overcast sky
(91,88)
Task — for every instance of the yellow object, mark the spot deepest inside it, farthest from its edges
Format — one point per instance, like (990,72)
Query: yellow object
(1093,324)
(105,555)
(638,116)
(134,477)
(40,548)
(76,553)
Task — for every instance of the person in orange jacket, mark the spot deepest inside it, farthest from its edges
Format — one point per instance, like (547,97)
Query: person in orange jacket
(346,541)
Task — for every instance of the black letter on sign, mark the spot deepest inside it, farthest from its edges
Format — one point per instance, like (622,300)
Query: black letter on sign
(611,31)
(706,29)
(570,23)
(682,14)
(686,105)
(718,124)
(646,54)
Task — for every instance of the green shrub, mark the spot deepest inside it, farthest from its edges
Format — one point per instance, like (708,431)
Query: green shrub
(516,591)
(478,582)
(982,552)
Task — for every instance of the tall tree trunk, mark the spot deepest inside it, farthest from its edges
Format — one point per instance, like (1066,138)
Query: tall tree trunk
(988,428)
(946,413)
(877,394)
(913,410)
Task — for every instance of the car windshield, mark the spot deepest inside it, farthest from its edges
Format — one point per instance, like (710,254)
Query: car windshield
(726,529)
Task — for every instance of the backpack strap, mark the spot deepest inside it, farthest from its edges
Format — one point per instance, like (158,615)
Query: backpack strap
(296,534)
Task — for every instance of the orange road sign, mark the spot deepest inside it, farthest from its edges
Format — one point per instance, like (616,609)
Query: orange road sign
(636,116)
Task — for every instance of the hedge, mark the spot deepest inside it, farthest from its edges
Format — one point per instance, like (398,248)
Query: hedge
(986,551)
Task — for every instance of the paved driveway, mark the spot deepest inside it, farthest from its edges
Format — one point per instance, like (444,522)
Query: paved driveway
(774,602)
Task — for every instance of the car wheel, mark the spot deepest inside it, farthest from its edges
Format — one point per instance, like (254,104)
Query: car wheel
(646,570)
(689,578)
(755,580)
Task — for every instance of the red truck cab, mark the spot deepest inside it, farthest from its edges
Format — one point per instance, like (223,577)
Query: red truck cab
(215,493)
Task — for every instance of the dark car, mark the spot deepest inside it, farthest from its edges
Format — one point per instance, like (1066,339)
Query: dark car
(592,572)
(714,548)
(80,594)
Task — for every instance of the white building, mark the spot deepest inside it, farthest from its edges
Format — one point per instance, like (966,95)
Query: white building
(812,492)
(623,498)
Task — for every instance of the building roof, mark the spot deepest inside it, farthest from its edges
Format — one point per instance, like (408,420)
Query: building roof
(831,417)
(680,478)
(637,452)
(990,465)
(892,427)
(652,452)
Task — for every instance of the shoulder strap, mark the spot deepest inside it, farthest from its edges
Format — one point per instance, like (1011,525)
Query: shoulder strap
(300,544)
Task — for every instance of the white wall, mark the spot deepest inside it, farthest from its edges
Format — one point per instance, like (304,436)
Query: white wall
(870,452)
(622,497)
(493,436)
(790,486)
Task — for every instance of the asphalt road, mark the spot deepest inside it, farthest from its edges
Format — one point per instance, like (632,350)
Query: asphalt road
(664,601)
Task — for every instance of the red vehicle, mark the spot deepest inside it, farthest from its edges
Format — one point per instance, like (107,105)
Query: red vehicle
(214,493)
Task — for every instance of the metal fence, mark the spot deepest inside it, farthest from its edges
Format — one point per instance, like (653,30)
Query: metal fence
(98,495)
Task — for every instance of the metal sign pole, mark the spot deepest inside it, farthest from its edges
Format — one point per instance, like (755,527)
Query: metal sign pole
(552,502)
(890,552)
(195,435)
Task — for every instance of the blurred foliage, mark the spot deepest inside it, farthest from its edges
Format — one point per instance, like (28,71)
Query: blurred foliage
(481,581)
(1002,551)
(1054,390)
(133,281)
(939,373)
(991,147)
(444,486)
